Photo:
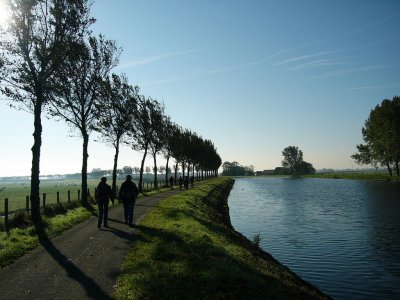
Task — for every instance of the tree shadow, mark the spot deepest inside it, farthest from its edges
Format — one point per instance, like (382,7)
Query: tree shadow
(206,270)
(93,290)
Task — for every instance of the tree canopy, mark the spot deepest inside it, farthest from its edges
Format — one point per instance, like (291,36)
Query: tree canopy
(235,169)
(293,160)
(381,134)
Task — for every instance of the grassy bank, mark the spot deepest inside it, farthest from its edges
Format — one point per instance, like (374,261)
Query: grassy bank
(185,248)
(357,176)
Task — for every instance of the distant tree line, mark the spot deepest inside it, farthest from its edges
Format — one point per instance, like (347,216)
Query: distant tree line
(381,135)
(50,62)
(235,169)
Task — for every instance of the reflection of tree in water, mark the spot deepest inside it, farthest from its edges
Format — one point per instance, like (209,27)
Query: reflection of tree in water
(385,224)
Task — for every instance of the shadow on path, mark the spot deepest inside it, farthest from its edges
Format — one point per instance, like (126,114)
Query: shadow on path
(93,290)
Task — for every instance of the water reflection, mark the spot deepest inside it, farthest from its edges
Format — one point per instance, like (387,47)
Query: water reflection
(341,235)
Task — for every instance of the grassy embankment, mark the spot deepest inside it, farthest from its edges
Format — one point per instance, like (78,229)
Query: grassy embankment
(19,241)
(186,248)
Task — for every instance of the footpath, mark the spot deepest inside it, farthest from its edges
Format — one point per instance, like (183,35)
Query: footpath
(82,263)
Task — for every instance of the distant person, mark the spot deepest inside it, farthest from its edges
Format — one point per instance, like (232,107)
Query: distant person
(103,196)
(192,181)
(180,182)
(128,194)
(171,182)
(186,182)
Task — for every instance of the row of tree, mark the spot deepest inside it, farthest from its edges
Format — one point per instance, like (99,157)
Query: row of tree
(50,62)
(381,135)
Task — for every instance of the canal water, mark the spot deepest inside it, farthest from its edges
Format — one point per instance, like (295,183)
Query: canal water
(343,236)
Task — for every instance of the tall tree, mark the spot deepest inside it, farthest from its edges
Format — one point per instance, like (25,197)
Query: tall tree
(292,159)
(36,45)
(157,139)
(381,134)
(79,90)
(115,115)
(141,132)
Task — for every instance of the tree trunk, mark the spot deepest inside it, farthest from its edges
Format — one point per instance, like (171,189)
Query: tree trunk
(166,171)
(155,171)
(389,169)
(188,170)
(397,168)
(176,173)
(183,169)
(114,174)
(85,155)
(35,171)
(142,169)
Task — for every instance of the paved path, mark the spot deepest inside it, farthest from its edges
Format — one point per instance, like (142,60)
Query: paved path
(83,263)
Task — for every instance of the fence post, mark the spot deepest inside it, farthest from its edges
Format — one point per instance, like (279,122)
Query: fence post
(79,195)
(58,197)
(6,213)
(69,196)
(44,200)
(27,203)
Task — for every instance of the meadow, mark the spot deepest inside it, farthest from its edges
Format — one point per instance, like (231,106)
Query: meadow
(18,191)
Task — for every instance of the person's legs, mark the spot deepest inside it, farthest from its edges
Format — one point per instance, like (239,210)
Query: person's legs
(105,213)
(131,207)
(126,211)
(101,212)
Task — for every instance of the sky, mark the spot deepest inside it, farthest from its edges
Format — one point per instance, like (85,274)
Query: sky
(253,76)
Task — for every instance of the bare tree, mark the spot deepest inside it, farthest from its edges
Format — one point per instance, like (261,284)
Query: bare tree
(37,43)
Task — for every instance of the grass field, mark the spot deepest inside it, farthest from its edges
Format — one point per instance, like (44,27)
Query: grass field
(16,192)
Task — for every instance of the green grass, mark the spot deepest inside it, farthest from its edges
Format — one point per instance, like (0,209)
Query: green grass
(18,241)
(185,248)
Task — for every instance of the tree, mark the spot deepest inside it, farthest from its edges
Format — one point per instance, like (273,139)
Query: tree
(157,139)
(115,115)
(79,89)
(34,49)
(292,159)
(381,134)
(127,170)
(235,169)
(141,132)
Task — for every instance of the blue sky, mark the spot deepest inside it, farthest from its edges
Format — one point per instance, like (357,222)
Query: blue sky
(252,76)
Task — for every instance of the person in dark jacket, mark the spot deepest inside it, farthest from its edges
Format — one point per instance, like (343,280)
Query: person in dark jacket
(103,196)
(171,182)
(180,182)
(128,194)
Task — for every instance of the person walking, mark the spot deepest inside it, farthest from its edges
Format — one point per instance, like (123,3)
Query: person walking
(191,181)
(171,182)
(180,182)
(128,194)
(103,196)
(186,182)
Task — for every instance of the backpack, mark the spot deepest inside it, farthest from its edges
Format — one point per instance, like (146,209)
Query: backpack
(129,192)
